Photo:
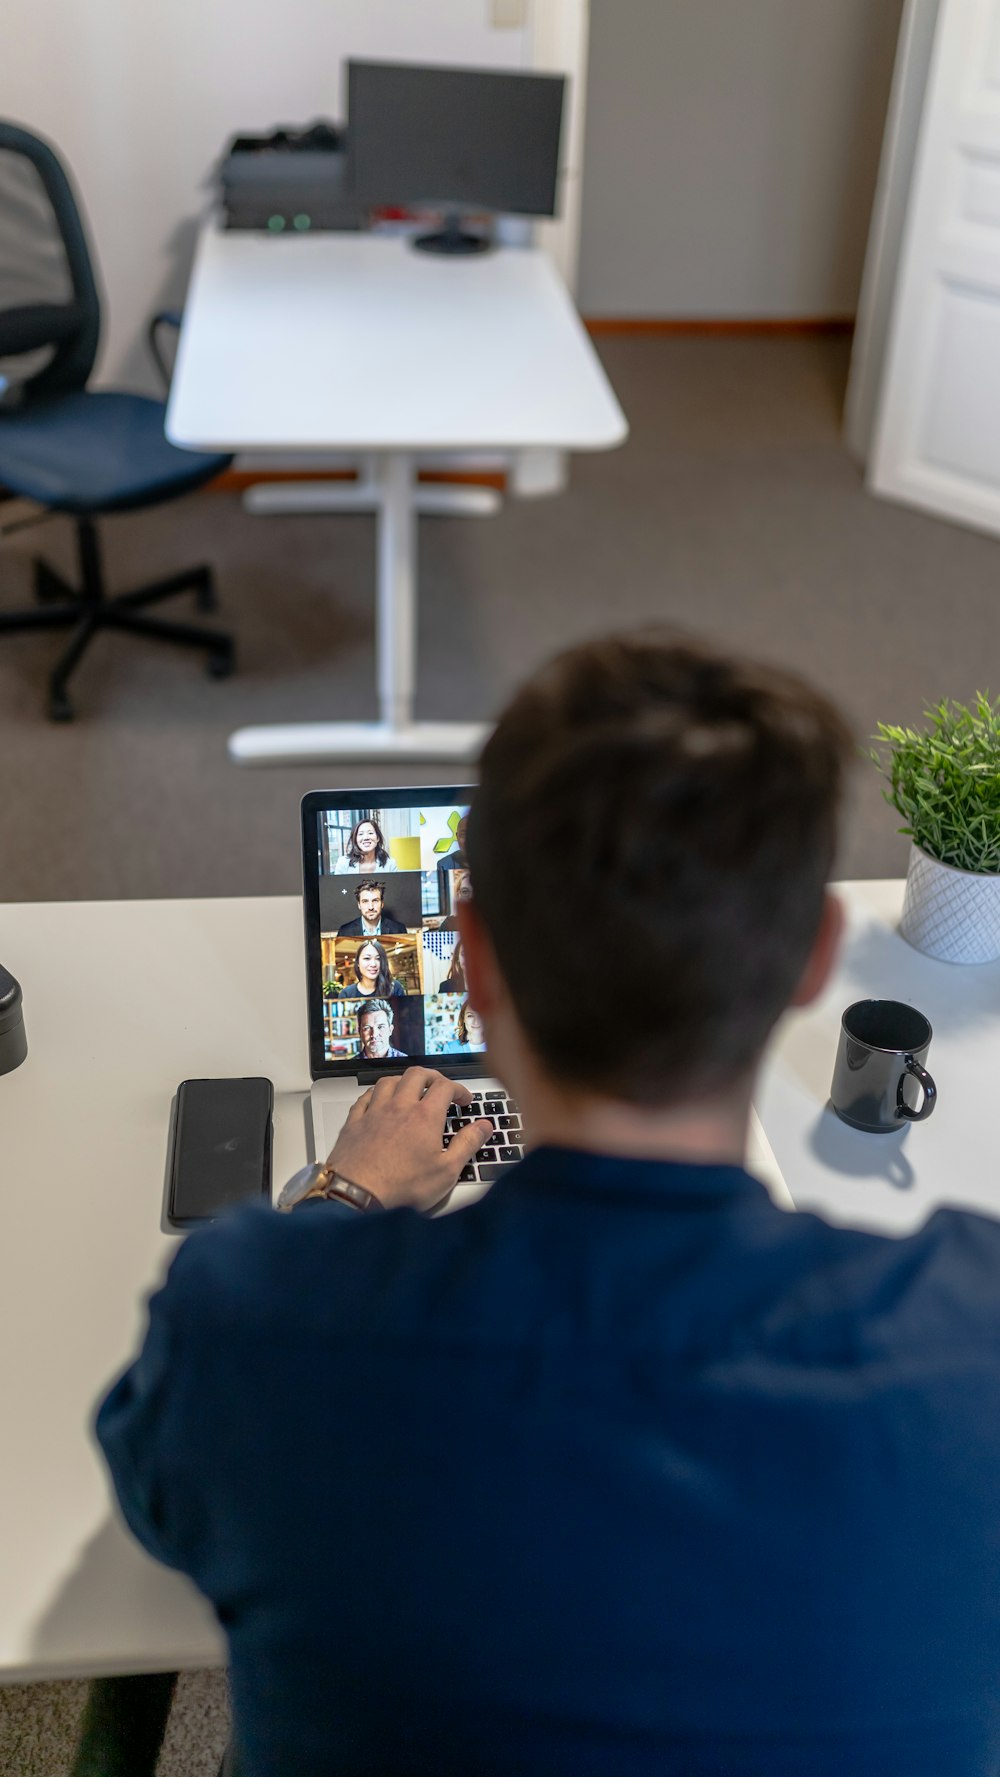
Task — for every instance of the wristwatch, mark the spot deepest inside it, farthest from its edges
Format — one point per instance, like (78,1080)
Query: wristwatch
(320,1180)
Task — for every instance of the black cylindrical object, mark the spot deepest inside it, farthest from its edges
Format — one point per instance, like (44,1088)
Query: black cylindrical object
(13,1041)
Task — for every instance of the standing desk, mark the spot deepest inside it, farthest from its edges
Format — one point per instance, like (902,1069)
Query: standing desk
(357,342)
(162,990)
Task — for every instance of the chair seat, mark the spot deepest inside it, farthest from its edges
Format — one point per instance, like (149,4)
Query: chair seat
(103,451)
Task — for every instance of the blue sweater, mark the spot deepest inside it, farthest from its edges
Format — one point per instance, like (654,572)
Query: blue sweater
(622,1471)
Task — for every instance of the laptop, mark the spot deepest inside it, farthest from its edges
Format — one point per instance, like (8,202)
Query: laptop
(383,872)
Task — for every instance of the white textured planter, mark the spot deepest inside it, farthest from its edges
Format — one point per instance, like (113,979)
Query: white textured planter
(951,914)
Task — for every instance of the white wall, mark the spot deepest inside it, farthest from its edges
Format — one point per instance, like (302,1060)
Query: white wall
(139,97)
(731,154)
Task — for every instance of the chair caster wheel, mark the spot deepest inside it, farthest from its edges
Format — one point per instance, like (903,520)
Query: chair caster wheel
(60,708)
(220,665)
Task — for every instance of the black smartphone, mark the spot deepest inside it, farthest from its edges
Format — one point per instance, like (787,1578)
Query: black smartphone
(221,1153)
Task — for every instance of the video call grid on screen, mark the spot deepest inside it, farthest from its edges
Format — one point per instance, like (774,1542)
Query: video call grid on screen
(383,873)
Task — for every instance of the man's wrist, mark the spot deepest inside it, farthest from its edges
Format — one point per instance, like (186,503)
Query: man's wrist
(321,1180)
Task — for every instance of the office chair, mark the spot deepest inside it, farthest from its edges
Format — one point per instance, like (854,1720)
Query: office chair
(70,449)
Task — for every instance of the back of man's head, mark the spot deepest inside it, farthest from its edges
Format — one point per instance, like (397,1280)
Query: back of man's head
(649,846)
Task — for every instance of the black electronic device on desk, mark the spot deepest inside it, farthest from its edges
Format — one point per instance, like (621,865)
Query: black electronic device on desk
(221,1153)
(292,181)
(13,1040)
(459,140)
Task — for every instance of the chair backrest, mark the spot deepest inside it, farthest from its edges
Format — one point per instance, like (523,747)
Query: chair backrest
(50,312)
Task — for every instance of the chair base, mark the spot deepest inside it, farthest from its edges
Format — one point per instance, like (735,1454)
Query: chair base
(88,609)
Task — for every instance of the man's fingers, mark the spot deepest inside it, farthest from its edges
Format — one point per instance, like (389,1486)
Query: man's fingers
(464,1142)
(439,1094)
(416,1081)
(383,1088)
(359,1106)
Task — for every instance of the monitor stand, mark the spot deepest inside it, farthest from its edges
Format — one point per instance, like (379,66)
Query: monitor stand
(453,240)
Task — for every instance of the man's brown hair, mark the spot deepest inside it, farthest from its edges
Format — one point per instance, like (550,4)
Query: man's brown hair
(654,828)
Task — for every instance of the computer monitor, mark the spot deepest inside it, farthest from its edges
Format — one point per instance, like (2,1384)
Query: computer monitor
(453,139)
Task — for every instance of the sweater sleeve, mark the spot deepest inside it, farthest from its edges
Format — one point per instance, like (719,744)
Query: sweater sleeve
(138,1422)
(128,1428)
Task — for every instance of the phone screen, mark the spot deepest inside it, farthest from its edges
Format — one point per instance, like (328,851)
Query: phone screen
(222,1147)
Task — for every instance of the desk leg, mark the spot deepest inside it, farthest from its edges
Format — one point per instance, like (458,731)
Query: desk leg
(395,735)
(395,590)
(123,1725)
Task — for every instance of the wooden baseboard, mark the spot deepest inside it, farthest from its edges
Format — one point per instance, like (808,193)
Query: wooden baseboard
(235,481)
(650,326)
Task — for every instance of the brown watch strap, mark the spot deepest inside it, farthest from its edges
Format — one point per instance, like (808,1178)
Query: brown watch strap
(355,1195)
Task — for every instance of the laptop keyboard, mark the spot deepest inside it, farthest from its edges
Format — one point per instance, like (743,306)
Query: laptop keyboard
(502,1150)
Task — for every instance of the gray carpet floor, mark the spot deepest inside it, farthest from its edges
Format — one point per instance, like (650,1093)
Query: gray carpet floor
(732,511)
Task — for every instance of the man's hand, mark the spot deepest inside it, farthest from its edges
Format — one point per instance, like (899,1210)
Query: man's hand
(393,1140)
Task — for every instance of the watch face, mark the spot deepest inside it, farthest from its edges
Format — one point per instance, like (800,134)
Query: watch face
(300,1184)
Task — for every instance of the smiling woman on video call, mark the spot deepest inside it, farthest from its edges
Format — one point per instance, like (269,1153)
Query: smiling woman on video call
(372,976)
(470,1028)
(365,850)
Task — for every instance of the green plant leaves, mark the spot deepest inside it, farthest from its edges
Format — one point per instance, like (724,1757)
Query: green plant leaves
(945,782)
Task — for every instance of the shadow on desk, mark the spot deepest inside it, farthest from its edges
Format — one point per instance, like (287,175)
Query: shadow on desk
(857,1155)
(119,1611)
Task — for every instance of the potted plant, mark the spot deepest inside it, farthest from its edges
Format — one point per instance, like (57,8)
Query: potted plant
(945,782)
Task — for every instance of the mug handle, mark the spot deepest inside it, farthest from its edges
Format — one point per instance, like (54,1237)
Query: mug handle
(930,1091)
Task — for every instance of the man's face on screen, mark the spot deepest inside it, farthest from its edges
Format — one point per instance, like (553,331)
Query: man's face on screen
(374,1029)
(370,902)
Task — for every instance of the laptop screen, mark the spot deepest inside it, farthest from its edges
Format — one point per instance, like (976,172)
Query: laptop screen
(383,872)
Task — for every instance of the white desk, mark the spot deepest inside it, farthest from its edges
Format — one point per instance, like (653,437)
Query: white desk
(358,342)
(122,1001)
(125,999)
(889,1183)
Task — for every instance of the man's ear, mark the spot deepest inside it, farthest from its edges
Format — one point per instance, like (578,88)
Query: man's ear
(482,974)
(822,958)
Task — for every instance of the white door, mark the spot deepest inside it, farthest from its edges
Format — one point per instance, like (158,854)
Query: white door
(937,436)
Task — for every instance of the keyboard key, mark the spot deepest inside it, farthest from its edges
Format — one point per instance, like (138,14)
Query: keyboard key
(484,1154)
(508,1122)
(506,1155)
(446,1138)
(492,1109)
(467,1176)
(490,1173)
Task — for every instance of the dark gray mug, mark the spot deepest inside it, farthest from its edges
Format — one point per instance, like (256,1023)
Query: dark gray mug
(882,1043)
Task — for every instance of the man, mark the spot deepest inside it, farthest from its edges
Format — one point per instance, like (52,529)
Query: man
(622,1470)
(372,920)
(375,1026)
(457,859)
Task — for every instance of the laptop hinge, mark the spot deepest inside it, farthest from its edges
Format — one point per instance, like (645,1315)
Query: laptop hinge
(455,1068)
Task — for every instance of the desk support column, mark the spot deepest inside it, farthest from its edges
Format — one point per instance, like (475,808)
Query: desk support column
(395,600)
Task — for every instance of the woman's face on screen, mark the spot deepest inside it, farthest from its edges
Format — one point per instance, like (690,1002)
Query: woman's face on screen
(473,1026)
(367,837)
(368,962)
